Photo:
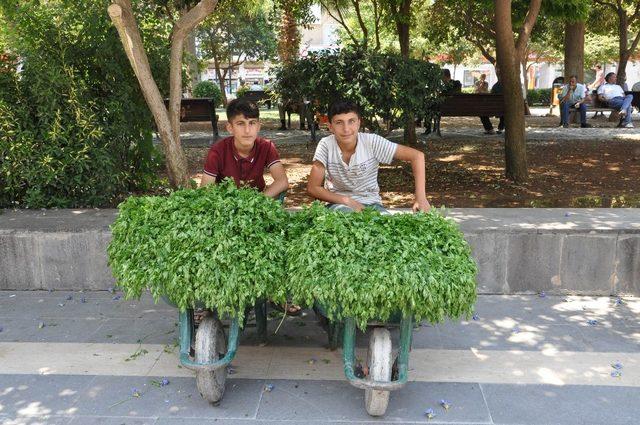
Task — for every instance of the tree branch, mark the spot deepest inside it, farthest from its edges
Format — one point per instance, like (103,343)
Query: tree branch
(486,29)
(363,26)
(121,15)
(636,14)
(527,26)
(340,20)
(634,44)
(377,16)
(185,24)
(607,4)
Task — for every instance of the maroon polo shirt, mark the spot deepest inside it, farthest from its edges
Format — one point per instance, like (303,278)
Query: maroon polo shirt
(224,161)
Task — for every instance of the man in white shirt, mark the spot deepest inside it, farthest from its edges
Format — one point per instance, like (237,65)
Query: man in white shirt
(349,160)
(614,96)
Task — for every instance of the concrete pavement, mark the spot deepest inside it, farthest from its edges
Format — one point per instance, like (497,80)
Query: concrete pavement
(92,357)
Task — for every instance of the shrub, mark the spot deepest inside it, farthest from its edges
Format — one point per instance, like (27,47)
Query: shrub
(369,266)
(384,85)
(209,90)
(242,90)
(219,245)
(74,128)
(539,97)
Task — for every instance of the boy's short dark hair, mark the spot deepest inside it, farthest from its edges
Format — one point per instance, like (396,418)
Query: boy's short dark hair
(446,73)
(343,107)
(243,107)
(606,78)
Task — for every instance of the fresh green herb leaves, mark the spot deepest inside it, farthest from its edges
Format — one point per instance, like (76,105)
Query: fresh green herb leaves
(370,266)
(228,247)
(219,245)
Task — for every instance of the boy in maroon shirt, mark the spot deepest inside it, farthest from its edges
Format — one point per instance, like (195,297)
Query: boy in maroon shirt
(243,155)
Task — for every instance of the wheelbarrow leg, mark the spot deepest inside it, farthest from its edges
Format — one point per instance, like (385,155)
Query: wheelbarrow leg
(335,330)
(261,320)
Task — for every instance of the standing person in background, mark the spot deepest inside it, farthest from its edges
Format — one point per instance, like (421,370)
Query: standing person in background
(599,80)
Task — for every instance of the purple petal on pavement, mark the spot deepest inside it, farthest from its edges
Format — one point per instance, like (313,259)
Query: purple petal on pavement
(616,365)
(116,298)
(475,316)
(164,382)
(542,294)
(445,404)
(269,387)
(592,322)
(430,413)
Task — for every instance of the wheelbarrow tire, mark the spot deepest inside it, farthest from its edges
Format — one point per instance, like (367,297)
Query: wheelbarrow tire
(211,345)
(379,362)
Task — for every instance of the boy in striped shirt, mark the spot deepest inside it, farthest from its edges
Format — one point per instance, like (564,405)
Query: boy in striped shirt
(349,161)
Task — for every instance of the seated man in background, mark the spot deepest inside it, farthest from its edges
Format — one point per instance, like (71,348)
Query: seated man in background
(614,96)
(573,97)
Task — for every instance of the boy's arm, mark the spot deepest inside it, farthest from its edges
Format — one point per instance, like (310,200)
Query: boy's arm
(404,153)
(207,179)
(280,180)
(316,189)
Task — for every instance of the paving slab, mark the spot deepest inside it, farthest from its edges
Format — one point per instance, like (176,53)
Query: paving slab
(554,370)
(308,400)
(41,395)
(112,396)
(567,405)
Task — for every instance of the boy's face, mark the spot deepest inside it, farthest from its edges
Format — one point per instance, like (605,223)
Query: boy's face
(244,130)
(345,126)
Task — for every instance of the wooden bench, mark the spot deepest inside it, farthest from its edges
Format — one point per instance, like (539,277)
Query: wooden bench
(469,105)
(259,97)
(197,110)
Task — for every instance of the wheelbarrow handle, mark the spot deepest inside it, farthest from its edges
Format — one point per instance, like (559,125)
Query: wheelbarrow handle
(348,353)
(186,320)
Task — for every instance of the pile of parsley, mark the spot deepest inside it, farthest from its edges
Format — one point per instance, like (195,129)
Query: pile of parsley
(369,266)
(218,245)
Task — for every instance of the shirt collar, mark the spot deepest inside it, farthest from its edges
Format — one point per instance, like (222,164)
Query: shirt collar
(252,154)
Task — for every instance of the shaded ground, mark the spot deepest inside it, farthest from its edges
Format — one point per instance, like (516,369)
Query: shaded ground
(466,168)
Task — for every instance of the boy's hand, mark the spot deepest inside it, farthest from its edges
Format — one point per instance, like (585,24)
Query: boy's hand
(421,205)
(353,204)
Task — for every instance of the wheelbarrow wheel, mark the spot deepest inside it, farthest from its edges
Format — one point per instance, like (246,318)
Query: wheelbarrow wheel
(211,345)
(379,362)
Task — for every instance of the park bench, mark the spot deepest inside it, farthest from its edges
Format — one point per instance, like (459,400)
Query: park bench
(196,110)
(469,105)
(259,97)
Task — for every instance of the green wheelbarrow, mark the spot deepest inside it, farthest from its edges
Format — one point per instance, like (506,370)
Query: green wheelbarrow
(385,369)
(206,350)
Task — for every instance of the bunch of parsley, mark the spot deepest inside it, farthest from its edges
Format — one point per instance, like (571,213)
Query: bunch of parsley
(369,266)
(219,245)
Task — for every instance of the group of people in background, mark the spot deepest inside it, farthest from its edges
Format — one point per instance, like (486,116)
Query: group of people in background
(576,96)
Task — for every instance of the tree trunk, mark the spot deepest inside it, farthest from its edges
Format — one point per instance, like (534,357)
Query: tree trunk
(574,50)
(623,44)
(221,77)
(403,27)
(289,41)
(192,61)
(167,121)
(622,69)
(508,62)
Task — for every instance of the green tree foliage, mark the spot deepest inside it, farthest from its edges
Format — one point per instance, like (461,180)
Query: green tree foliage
(369,266)
(385,85)
(219,245)
(74,128)
(238,30)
